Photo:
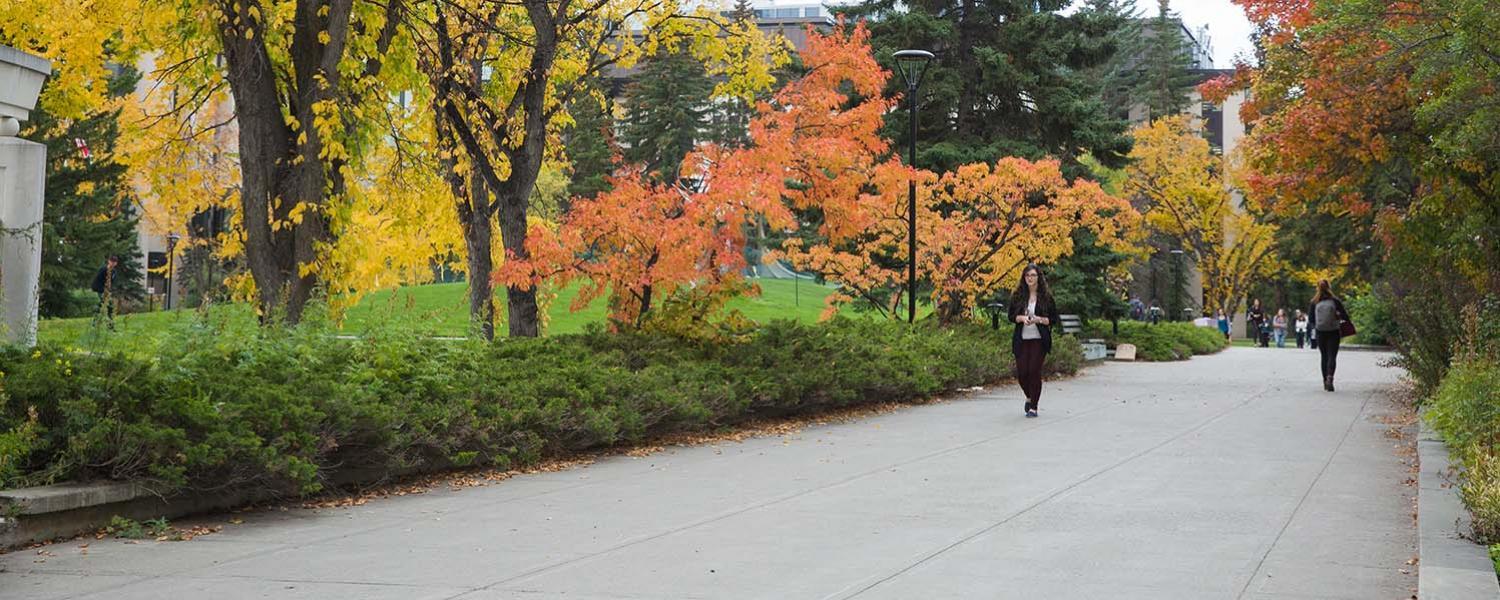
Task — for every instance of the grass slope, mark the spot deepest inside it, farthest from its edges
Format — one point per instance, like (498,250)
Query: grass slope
(442,309)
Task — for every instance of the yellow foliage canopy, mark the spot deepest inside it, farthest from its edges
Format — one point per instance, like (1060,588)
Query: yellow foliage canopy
(1183,189)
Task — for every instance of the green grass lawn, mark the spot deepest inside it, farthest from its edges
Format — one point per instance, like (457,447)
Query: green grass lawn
(442,309)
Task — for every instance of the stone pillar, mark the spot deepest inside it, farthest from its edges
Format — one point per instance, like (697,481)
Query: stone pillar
(23,174)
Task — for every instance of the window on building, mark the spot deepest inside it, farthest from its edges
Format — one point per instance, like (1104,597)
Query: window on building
(156,278)
(1213,126)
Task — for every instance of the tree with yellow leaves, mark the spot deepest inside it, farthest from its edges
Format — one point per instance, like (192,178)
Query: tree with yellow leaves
(1181,186)
(336,189)
(309,81)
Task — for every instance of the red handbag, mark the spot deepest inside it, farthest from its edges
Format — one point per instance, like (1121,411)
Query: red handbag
(1346,328)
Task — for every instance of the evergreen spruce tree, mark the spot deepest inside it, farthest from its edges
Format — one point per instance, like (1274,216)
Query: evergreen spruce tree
(667,109)
(1010,79)
(1166,65)
(1079,283)
(1118,77)
(590,147)
(89,212)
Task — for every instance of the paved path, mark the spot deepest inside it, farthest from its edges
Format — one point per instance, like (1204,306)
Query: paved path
(1197,480)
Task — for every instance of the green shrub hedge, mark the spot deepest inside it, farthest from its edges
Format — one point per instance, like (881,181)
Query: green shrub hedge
(1160,342)
(1465,410)
(292,410)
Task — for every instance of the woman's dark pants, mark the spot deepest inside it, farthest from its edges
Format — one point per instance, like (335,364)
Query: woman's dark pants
(1029,359)
(1328,348)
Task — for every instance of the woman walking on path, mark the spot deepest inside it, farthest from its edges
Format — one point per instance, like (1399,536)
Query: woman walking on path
(1033,312)
(1301,326)
(1255,322)
(1279,324)
(1223,324)
(1327,319)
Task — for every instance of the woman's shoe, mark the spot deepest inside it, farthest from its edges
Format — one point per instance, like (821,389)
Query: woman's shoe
(1031,413)
(1328,384)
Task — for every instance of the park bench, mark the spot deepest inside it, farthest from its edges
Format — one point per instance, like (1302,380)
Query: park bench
(1071,324)
(1092,349)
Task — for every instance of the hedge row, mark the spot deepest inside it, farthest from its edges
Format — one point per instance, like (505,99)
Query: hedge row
(288,410)
(1162,341)
(1465,410)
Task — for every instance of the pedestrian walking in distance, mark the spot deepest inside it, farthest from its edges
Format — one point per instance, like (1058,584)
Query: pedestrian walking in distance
(1033,312)
(1279,325)
(1223,324)
(1301,325)
(104,284)
(1330,322)
(1255,320)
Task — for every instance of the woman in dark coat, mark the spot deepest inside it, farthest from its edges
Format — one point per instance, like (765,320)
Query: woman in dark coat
(1326,318)
(1033,312)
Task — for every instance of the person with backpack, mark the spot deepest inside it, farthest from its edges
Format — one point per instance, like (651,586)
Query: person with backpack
(1033,312)
(104,284)
(1328,319)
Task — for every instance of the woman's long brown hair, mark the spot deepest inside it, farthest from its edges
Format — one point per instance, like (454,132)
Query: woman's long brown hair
(1325,292)
(1023,293)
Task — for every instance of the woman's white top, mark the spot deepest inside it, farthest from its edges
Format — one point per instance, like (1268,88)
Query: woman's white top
(1302,324)
(1029,331)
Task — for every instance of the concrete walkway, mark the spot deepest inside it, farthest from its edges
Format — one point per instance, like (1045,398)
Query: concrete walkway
(1231,476)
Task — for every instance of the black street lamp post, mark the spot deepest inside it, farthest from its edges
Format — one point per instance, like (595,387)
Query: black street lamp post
(994,309)
(172,239)
(913,66)
(1178,284)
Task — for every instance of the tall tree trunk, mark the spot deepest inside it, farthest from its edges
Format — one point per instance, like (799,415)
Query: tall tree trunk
(521,307)
(478,227)
(264,143)
(281,167)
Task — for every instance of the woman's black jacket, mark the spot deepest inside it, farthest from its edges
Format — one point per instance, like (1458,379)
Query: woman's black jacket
(1044,308)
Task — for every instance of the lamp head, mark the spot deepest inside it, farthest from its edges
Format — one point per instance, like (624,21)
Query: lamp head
(913,65)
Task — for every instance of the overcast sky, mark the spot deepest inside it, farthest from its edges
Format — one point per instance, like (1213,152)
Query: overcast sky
(1227,26)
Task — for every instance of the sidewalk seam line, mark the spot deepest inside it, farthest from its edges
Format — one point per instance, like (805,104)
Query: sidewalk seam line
(778,500)
(1284,526)
(842,594)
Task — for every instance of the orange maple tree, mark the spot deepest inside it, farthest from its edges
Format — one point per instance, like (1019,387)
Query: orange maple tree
(1331,118)
(816,150)
(644,244)
(977,227)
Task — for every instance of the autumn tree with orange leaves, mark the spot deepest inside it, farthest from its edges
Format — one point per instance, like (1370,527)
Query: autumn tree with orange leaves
(646,244)
(976,226)
(816,152)
(1377,118)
